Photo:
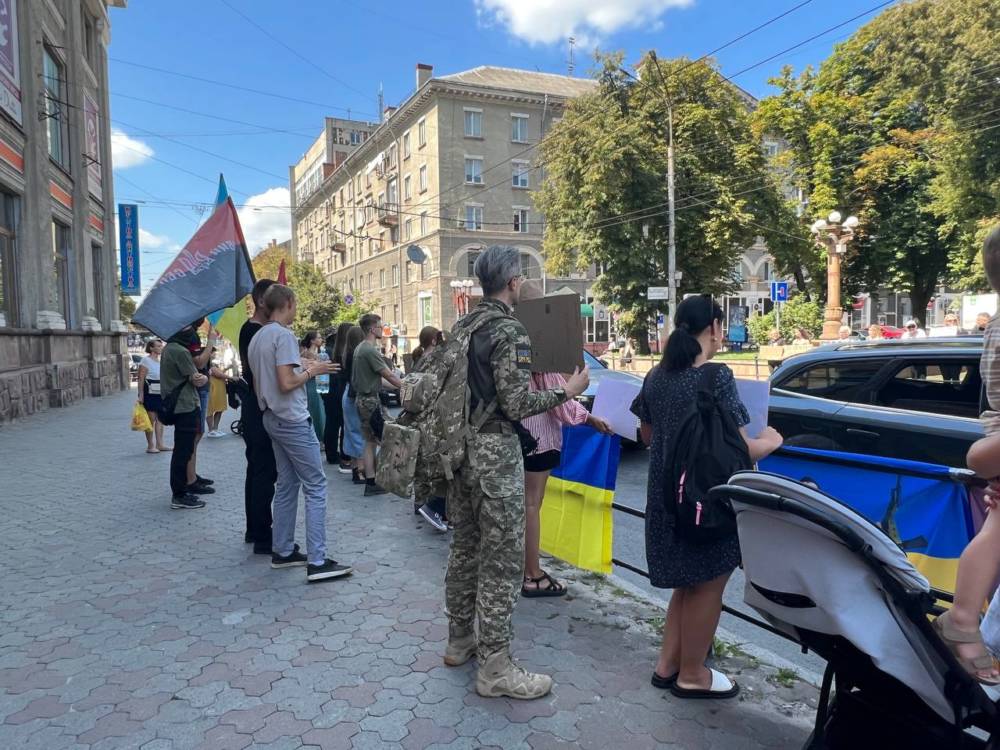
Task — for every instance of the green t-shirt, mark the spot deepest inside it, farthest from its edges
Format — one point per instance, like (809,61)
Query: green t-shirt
(176,366)
(365,371)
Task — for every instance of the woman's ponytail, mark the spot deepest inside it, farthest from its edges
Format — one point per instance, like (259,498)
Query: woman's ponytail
(694,315)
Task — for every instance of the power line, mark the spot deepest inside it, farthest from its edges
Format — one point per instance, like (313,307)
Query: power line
(237,87)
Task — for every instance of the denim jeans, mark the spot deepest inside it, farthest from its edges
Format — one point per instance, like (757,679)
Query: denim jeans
(299,463)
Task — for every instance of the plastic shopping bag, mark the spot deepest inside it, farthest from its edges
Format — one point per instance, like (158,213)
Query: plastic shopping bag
(140,419)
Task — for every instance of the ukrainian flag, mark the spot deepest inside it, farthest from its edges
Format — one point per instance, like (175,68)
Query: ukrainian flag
(924,508)
(576,516)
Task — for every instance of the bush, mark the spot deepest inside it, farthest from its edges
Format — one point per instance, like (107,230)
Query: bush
(797,313)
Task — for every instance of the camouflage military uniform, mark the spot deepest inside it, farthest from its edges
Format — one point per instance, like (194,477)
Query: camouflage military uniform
(486,498)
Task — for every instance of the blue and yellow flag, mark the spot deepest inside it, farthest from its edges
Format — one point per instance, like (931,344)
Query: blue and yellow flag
(576,515)
(924,508)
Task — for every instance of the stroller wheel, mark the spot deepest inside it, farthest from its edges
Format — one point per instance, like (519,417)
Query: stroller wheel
(236,428)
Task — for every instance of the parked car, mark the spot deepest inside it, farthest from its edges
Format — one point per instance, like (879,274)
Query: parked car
(914,399)
(133,366)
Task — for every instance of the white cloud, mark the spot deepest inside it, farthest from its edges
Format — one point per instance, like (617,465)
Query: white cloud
(550,21)
(150,241)
(128,152)
(266,216)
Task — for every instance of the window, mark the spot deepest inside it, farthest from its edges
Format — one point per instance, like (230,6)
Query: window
(370,287)
(519,172)
(90,40)
(421,133)
(520,220)
(395,313)
(60,300)
(357,138)
(474,217)
(771,148)
(422,180)
(471,259)
(381,279)
(474,170)
(9,218)
(97,280)
(473,123)
(529,267)
(372,247)
(426,311)
(395,278)
(392,194)
(409,271)
(408,229)
(56,112)
(406,145)
(842,381)
(935,386)
(519,128)
(407,194)
(382,313)
(423,223)
(350,284)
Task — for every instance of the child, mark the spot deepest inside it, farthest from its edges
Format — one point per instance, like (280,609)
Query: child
(980,562)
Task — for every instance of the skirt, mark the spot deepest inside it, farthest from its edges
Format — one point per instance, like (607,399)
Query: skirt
(153,402)
(217,400)
(545,461)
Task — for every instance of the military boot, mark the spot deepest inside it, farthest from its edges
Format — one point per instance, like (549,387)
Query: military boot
(460,649)
(500,677)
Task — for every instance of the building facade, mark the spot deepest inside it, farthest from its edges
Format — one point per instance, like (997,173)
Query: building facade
(311,218)
(448,173)
(60,336)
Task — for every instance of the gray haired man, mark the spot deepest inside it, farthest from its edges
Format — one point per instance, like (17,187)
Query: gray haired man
(486,498)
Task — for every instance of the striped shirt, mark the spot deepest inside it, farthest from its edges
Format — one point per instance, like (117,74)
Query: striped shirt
(989,368)
(547,426)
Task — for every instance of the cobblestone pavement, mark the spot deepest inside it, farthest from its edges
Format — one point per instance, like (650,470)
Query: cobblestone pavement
(128,625)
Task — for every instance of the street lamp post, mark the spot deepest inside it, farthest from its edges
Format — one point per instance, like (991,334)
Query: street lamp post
(833,234)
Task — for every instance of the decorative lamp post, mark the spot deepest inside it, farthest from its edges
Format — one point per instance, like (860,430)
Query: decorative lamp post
(833,234)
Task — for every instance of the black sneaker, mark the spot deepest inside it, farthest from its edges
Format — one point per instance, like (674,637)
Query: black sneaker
(294,560)
(200,489)
(186,502)
(433,518)
(203,481)
(374,489)
(329,569)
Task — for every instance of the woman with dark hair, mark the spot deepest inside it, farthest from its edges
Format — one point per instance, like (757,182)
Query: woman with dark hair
(697,572)
(334,401)
(354,441)
(309,351)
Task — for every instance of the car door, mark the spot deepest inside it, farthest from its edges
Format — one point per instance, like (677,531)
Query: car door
(919,409)
(806,403)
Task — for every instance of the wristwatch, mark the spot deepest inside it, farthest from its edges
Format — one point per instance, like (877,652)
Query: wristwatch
(562,392)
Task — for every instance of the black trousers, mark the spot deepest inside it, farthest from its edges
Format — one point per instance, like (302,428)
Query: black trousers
(186,428)
(262,473)
(333,435)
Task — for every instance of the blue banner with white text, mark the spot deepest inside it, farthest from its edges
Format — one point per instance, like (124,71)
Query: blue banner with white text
(128,246)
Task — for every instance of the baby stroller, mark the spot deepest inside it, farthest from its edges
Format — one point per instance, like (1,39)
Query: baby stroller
(236,392)
(851,596)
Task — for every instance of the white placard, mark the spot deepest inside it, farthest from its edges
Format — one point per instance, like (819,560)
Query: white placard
(657,292)
(614,397)
(755,395)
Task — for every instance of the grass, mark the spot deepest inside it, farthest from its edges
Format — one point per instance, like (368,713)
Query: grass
(722,357)
(724,650)
(785,677)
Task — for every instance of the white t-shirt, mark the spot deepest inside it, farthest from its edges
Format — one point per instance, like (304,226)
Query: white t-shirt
(272,346)
(152,373)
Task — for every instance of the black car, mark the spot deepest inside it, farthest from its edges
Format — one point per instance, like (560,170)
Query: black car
(917,400)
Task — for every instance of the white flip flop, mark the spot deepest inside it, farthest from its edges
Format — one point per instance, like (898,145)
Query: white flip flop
(722,687)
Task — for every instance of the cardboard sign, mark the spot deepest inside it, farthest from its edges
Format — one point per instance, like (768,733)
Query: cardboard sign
(555,328)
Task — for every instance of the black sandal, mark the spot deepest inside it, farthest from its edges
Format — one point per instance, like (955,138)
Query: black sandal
(553,589)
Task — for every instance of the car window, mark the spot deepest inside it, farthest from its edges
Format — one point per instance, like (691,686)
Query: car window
(591,361)
(843,380)
(950,388)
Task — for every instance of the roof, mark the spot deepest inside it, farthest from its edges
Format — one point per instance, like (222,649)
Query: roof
(523,80)
(929,347)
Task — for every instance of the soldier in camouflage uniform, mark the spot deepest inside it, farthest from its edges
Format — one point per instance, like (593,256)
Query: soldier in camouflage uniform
(486,497)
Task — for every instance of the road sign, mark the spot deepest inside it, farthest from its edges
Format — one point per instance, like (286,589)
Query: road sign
(657,292)
(779,291)
(660,320)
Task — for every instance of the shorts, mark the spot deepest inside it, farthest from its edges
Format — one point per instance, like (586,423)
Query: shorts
(366,407)
(152,402)
(545,461)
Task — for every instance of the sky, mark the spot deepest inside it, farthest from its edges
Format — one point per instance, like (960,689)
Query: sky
(240,87)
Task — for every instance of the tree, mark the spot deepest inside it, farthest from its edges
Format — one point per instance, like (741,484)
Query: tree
(126,306)
(605,194)
(798,312)
(896,127)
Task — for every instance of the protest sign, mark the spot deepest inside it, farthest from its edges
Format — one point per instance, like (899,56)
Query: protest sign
(612,404)
(755,394)
(555,327)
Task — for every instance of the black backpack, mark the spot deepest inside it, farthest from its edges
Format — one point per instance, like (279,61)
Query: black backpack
(706,451)
(168,405)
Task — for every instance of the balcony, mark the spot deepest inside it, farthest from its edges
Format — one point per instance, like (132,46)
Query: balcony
(387,214)
(339,247)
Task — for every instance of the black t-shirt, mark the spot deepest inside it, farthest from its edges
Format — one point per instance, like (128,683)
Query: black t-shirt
(247,332)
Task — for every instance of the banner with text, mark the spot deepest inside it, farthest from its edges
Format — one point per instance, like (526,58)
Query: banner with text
(128,246)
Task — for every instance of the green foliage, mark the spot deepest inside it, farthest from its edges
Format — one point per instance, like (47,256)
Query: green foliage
(126,306)
(898,127)
(797,313)
(608,157)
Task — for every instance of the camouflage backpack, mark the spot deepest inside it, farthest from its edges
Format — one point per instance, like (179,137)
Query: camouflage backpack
(435,399)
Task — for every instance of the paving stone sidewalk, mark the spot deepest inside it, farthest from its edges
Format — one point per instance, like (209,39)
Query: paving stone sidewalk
(127,625)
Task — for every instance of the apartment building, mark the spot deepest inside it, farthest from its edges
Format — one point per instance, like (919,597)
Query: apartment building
(60,336)
(310,216)
(450,171)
